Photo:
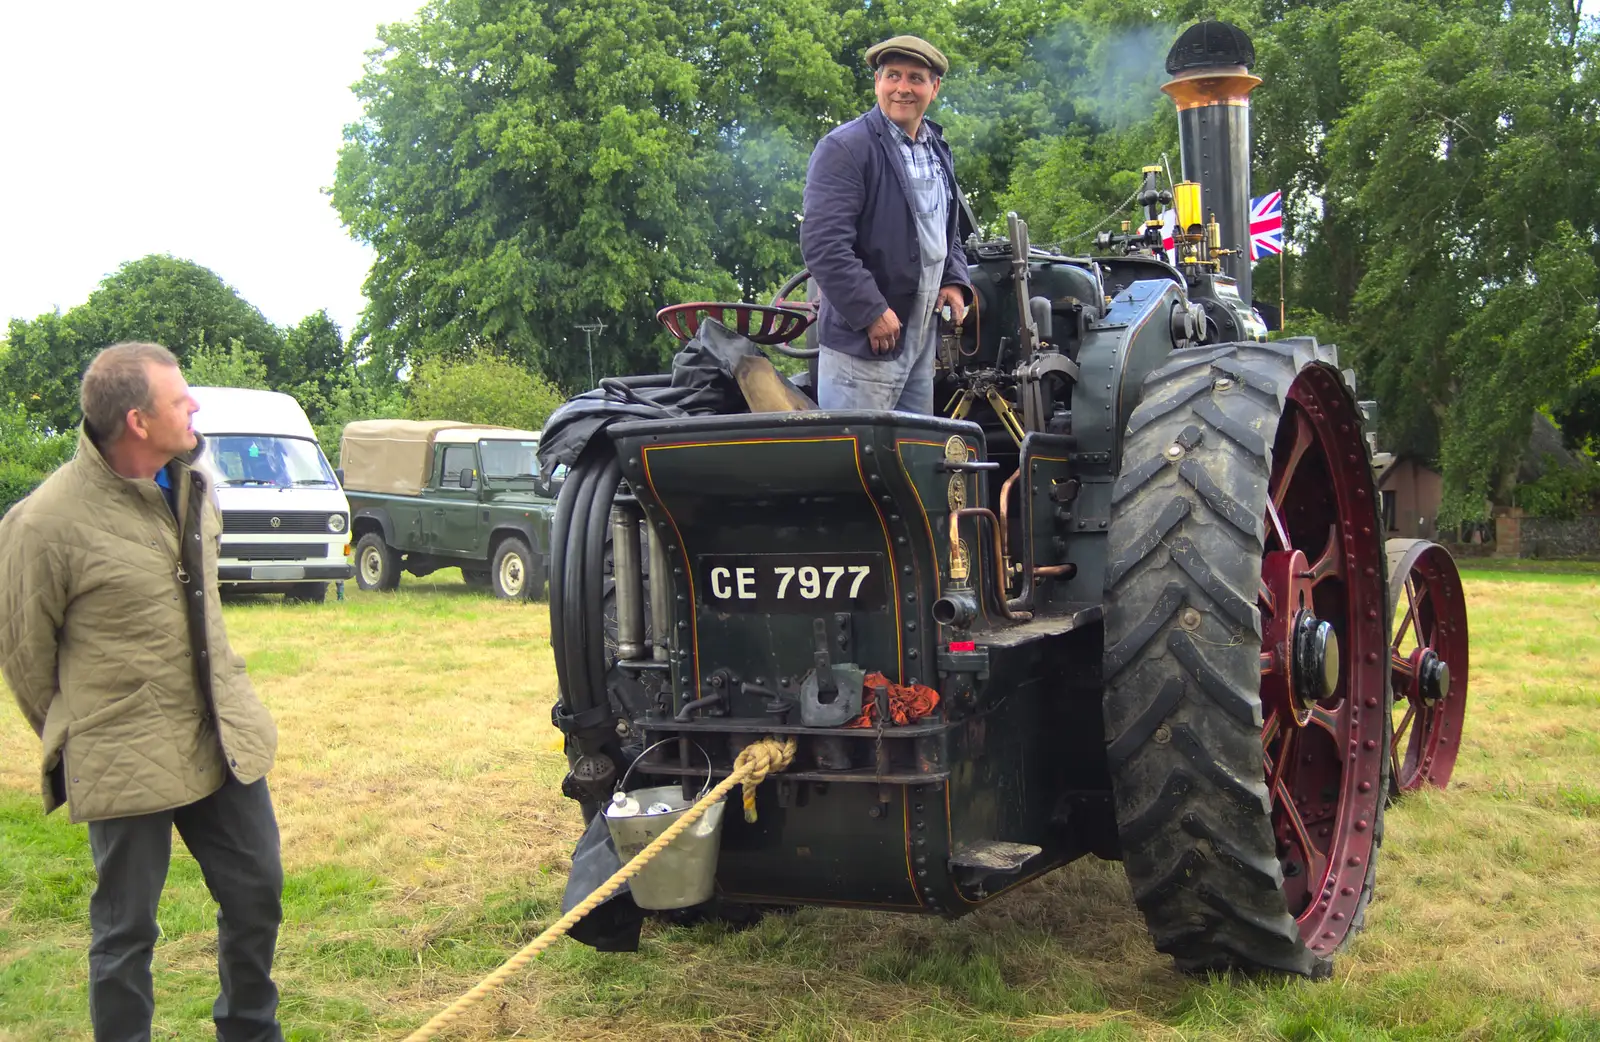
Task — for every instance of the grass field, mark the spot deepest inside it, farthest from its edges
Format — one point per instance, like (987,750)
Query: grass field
(424,837)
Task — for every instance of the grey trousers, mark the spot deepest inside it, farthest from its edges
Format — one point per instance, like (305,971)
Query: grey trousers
(233,834)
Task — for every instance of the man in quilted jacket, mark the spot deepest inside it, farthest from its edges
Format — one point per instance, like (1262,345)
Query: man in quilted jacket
(112,641)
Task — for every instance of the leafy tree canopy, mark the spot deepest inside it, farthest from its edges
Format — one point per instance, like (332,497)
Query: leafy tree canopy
(482,389)
(525,166)
(1442,162)
(528,165)
(173,302)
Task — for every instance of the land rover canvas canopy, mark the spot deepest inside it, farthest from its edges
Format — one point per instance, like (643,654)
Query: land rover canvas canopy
(396,456)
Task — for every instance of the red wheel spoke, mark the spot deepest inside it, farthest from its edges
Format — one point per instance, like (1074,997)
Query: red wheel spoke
(1302,836)
(1326,720)
(1277,526)
(1269,731)
(1401,665)
(1423,607)
(1285,758)
(1267,599)
(1408,619)
(1405,722)
(1269,663)
(1331,564)
(1304,437)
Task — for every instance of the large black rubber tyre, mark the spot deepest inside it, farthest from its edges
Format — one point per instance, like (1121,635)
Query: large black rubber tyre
(1183,636)
(377,566)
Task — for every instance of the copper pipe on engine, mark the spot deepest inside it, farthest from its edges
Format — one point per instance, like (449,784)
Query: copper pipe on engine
(1005,525)
(1056,571)
(998,553)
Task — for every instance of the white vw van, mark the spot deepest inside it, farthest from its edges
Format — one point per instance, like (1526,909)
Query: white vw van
(285,521)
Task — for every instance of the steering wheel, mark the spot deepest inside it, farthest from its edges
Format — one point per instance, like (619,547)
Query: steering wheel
(809,308)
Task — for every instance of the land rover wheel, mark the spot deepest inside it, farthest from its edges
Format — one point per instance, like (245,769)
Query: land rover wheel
(377,566)
(514,571)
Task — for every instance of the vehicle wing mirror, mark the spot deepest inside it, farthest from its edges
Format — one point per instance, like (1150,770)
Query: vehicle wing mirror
(466,477)
(338,475)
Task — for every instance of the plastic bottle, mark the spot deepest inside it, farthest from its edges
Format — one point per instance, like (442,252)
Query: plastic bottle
(622,805)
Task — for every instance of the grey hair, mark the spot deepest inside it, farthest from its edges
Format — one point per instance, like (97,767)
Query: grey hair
(116,381)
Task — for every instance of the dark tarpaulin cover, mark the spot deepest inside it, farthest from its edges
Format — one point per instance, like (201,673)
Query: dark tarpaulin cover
(614,925)
(701,384)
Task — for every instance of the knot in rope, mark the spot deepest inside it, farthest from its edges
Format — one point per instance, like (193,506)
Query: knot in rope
(755,761)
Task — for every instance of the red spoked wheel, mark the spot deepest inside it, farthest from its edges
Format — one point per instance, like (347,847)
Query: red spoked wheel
(1247,658)
(1428,663)
(1324,690)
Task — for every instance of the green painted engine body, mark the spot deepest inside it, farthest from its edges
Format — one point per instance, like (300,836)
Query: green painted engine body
(906,817)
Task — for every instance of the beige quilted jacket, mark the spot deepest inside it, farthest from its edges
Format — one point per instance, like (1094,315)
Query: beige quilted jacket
(111,639)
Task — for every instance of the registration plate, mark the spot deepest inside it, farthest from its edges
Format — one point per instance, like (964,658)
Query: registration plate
(792,582)
(278,571)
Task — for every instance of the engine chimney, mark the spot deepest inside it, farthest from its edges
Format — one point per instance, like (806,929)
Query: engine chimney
(1211,85)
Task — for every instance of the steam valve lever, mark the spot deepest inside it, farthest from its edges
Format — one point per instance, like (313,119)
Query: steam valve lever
(826,684)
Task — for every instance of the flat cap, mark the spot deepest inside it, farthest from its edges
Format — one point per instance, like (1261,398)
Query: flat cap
(913,47)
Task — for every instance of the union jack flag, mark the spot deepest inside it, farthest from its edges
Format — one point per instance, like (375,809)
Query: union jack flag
(1266,225)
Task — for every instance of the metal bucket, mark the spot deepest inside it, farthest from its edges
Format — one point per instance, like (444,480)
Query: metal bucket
(684,873)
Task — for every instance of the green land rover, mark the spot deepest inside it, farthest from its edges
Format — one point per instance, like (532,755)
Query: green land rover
(426,495)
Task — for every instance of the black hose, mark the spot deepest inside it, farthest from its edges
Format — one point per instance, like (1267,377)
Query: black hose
(558,556)
(596,530)
(571,669)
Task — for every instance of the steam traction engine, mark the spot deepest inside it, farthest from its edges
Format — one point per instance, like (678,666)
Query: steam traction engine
(1139,564)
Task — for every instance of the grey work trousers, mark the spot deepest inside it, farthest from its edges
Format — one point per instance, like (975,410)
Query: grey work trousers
(233,834)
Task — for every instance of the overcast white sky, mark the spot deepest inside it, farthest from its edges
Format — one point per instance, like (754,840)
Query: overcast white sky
(206,130)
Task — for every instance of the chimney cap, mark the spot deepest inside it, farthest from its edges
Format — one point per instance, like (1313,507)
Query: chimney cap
(1205,45)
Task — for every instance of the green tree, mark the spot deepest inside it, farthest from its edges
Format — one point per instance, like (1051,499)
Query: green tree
(525,165)
(482,389)
(173,302)
(41,366)
(313,353)
(212,365)
(1442,162)
(28,453)
(176,303)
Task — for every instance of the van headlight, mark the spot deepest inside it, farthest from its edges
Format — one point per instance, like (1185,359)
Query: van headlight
(336,522)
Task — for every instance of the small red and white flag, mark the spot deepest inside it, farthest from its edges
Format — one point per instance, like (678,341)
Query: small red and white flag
(1266,225)
(1169,227)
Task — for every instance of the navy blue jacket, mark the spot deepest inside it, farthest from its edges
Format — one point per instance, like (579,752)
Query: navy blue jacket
(859,235)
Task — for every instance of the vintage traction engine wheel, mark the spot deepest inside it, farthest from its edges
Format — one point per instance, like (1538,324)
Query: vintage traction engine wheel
(1248,672)
(1428,657)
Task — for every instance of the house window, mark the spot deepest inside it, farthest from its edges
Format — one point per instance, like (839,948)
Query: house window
(1390,512)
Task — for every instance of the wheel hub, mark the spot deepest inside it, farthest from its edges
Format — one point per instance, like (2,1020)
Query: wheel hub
(1433,677)
(1300,652)
(1316,659)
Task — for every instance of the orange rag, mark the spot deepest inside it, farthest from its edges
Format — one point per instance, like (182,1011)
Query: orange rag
(908,703)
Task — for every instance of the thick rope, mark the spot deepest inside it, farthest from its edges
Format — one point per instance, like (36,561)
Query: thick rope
(754,763)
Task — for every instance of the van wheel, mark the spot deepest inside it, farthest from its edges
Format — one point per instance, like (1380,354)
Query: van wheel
(377,566)
(308,593)
(515,573)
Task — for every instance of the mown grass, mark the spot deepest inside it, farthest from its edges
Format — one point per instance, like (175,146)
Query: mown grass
(417,787)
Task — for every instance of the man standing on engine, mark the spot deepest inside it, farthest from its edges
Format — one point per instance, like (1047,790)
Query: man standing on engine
(880,237)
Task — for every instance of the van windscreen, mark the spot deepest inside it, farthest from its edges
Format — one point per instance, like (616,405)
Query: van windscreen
(265,460)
